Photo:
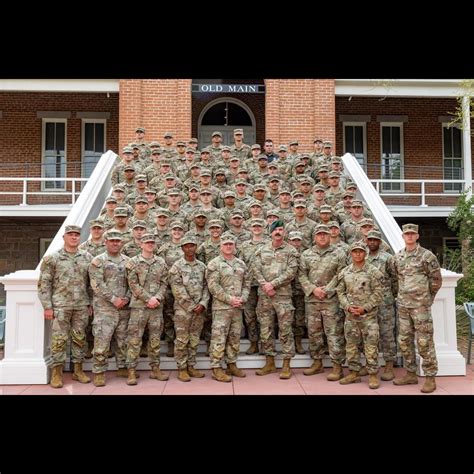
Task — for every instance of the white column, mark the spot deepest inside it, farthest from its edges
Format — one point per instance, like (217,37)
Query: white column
(466,144)
(26,331)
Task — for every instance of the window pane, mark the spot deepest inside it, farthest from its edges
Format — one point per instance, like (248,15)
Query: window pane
(238,116)
(457,151)
(386,145)
(349,139)
(60,136)
(99,138)
(89,137)
(49,138)
(215,115)
(359,140)
(395,139)
(448,144)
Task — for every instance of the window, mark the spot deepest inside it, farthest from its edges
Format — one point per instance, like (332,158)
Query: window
(43,246)
(452,254)
(355,141)
(93,144)
(392,155)
(54,153)
(452,157)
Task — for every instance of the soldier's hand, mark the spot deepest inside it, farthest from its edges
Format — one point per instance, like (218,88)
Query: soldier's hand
(199,309)
(153,302)
(235,302)
(268,287)
(271,293)
(319,293)
(49,313)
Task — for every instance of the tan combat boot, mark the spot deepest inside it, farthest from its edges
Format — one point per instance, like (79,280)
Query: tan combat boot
(131,377)
(429,385)
(157,374)
(219,375)
(253,349)
(183,375)
(316,368)
(353,377)
(232,369)
(195,373)
(268,368)
(79,374)
(363,371)
(298,345)
(286,371)
(408,379)
(373,381)
(170,351)
(123,372)
(388,372)
(336,373)
(56,376)
(99,380)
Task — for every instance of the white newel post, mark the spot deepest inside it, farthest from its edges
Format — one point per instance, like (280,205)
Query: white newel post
(26,331)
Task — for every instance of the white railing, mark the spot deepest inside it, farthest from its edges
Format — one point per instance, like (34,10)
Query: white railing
(75,190)
(422,183)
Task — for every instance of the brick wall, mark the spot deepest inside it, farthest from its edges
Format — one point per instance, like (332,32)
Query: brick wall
(19,245)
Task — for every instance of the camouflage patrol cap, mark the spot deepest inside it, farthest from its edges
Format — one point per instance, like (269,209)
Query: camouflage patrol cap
(319,187)
(148,238)
(321,228)
(225,148)
(176,225)
(234,158)
(139,199)
(296,193)
(205,150)
(255,202)
(241,181)
(205,191)
(190,150)
(299,162)
(129,168)
(119,187)
(214,223)
(272,165)
(374,234)
(348,194)
(227,237)
(366,221)
(156,151)
(161,211)
(358,245)
(219,171)
(316,140)
(139,224)
(327,144)
(205,172)
(350,184)
(294,142)
(336,159)
(294,235)
(275,177)
(256,221)
(139,130)
(111,199)
(255,146)
(72,228)
(262,156)
(334,174)
(127,149)
(169,176)
(194,187)
(216,134)
(228,194)
(154,144)
(306,180)
(134,145)
(273,212)
(168,135)
(243,170)
(113,235)
(282,148)
(193,140)
(173,192)
(260,187)
(188,238)
(96,223)
(305,155)
(150,191)
(140,177)
(238,131)
(325,208)
(323,168)
(195,165)
(120,212)
(284,191)
(334,224)
(180,143)
(237,213)
(410,228)
(199,213)
(357,203)
(165,162)
(299,203)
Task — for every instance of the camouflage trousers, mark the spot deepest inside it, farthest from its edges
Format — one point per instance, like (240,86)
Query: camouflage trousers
(417,322)
(207,322)
(69,323)
(326,319)
(250,314)
(284,309)
(108,321)
(386,320)
(139,319)
(299,322)
(168,315)
(188,326)
(225,338)
(363,333)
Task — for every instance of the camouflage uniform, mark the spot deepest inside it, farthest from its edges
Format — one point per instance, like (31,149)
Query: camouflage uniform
(419,279)
(109,281)
(361,287)
(93,248)
(63,286)
(188,284)
(146,278)
(225,279)
(277,266)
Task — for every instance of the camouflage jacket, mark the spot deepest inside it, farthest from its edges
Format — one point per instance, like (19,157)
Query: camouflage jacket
(92,248)
(170,252)
(246,251)
(419,277)
(64,280)
(146,278)
(132,249)
(208,250)
(384,262)
(225,279)
(188,284)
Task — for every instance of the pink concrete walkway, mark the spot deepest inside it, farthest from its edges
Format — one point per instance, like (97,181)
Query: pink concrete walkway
(299,384)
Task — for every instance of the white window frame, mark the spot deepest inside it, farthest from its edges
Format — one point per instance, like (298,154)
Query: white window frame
(43,153)
(44,243)
(364,138)
(83,140)
(402,157)
(448,126)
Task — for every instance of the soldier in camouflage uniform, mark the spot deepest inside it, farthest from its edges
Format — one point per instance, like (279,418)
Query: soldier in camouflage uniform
(318,266)
(107,216)
(147,276)
(275,265)
(240,149)
(111,312)
(360,292)
(64,292)
(216,146)
(419,279)
(118,174)
(168,150)
(191,297)
(229,283)
(134,248)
